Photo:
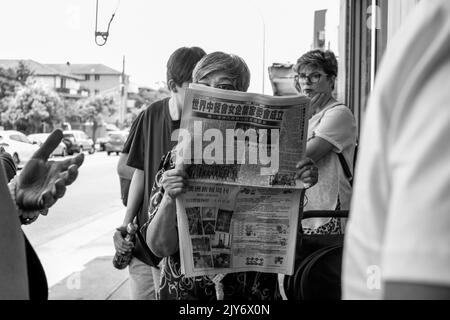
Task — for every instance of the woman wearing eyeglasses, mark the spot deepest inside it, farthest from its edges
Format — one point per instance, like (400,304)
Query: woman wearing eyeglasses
(227,72)
(331,131)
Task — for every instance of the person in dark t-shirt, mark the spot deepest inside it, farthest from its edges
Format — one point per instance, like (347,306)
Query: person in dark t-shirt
(124,171)
(149,140)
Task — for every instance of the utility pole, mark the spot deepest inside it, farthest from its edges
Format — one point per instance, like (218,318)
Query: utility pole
(123,95)
(263,47)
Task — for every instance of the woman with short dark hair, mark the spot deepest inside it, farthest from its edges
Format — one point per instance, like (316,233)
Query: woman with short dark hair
(331,135)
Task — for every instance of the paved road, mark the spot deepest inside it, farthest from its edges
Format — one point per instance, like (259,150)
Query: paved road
(94,194)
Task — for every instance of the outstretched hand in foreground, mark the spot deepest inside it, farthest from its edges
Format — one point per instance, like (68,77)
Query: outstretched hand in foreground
(41,182)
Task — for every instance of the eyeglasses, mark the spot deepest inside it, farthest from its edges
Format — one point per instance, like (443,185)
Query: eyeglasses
(225,86)
(312,77)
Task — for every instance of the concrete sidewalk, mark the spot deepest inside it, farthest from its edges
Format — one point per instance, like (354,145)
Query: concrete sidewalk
(79,265)
(97,280)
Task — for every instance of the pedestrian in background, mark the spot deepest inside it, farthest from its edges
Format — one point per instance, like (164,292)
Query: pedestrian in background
(147,143)
(331,140)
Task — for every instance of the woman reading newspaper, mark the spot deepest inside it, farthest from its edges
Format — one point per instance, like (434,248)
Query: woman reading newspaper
(229,72)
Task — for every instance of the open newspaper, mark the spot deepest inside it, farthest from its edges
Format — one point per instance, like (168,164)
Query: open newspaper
(240,150)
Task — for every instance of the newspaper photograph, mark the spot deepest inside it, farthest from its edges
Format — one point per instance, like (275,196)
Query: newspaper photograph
(227,228)
(239,150)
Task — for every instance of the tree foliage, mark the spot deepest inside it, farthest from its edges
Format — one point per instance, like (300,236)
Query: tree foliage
(148,96)
(11,80)
(32,106)
(143,99)
(93,110)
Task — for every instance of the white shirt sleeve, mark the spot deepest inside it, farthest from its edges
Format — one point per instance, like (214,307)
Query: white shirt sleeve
(399,228)
(338,127)
(417,239)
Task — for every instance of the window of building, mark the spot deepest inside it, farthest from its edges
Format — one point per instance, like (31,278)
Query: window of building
(364,39)
(97,77)
(87,77)
(63,83)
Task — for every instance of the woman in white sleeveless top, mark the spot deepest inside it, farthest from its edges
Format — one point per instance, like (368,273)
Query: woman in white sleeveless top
(331,130)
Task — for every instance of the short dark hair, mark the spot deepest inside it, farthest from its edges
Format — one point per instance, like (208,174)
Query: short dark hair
(233,65)
(318,59)
(181,63)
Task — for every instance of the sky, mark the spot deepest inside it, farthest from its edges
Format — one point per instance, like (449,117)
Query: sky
(146,32)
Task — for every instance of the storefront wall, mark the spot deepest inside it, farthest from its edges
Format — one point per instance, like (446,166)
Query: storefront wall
(369,25)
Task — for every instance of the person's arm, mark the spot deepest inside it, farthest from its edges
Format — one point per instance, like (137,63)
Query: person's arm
(336,130)
(317,148)
(162,233)
(135,197)
(125,173)
(415,291)
(307,172)
(123,170)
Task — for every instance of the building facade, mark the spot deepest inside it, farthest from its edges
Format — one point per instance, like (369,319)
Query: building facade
(66,84)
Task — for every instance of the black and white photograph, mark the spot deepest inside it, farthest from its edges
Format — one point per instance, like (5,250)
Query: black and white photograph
(223,222)
(209,213)
(209,227)
(195,221)
(221,260)
(202,260)
(201,244)
(221,241)
(96,98)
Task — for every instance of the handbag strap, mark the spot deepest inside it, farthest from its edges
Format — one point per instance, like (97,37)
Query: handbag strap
(345,167)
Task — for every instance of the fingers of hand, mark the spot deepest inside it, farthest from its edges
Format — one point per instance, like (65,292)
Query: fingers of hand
(126,246)
(72,174)
(47,199)
(324,98)
(309,180)
(49,145)
(168,181)
(308,171)
(320,99)
(121,245)
(174,180)
(315,98)
(77,160)
(27,217)
(178,172)
(60,188)
(175,192)
(304,162)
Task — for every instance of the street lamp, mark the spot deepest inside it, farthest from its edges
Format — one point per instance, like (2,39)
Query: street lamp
(264,48)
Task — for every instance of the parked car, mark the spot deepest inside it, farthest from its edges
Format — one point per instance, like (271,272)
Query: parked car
(115,142)
(18,146)
(78,141)
(39,138)
(101,141)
